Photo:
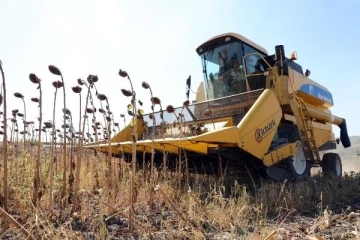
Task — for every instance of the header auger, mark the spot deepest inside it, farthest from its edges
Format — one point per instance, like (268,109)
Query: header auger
(254,113)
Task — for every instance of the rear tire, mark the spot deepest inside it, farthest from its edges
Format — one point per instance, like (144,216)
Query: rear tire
(332,165)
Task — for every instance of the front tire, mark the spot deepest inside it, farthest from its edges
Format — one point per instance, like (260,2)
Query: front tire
(332,165)
(299,167)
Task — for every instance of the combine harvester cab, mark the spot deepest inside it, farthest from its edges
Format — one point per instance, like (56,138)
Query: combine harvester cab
(254,113)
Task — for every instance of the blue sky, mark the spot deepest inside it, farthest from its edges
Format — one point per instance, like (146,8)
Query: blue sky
(155,41)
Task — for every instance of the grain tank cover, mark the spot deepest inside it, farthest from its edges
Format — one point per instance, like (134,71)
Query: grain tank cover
(312,92)
(309,90)
(317,91)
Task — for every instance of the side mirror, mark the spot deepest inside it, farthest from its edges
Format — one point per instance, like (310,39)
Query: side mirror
(280,52)
(188,86)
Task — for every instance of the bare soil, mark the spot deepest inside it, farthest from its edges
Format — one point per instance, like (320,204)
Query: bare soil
(329,225)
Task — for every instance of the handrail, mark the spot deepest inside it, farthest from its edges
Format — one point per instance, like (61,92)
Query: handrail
(246,75)
(256,53)
(292,84)
(276,77)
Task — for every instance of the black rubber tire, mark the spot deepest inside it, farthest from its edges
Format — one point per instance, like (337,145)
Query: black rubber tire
(292,134)
(329,164)
(296,176)
(301,177)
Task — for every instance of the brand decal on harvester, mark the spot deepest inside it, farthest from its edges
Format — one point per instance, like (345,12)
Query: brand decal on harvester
(260,133)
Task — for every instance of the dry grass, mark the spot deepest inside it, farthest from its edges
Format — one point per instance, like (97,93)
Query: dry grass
(112,199)
(200,213)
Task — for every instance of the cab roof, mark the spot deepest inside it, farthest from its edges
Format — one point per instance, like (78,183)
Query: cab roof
(218,39)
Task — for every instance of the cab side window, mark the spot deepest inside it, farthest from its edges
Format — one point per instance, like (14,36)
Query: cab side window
(252,61)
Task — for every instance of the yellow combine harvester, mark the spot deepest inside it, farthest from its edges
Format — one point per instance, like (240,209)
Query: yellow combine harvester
(254,112)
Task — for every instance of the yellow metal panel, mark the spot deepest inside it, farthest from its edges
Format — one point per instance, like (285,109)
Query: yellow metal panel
(297,80)
(279,154)
(140,146)
(319,113)
(171,145)
(224,135)
(322,136)
(309,99)
(125,134)
(322,132)
(257,128)
(255,131)
(323,116)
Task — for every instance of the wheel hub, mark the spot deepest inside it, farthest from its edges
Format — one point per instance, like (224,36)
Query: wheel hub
(299,161)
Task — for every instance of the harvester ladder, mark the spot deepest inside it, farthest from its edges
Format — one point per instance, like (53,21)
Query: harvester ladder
(307,133)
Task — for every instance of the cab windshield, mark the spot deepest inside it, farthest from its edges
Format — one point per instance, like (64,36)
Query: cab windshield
(223,69)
